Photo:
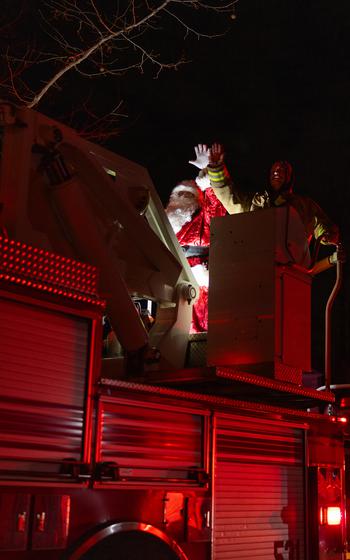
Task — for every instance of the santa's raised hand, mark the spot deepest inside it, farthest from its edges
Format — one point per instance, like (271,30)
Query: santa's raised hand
(202,156)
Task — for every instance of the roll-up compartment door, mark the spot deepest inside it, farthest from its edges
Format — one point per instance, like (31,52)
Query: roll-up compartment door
(259,504)
(43,373)
(151,441)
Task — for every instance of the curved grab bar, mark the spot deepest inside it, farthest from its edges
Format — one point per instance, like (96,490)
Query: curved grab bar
(328,333)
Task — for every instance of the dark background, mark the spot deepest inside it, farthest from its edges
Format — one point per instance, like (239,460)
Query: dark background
(276,86)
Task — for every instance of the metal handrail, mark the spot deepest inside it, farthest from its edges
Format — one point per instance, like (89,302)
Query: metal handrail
(328,333)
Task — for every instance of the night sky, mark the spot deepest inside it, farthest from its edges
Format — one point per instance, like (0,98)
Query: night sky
(276,86)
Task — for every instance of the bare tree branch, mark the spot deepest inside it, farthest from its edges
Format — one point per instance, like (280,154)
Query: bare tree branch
(98,38)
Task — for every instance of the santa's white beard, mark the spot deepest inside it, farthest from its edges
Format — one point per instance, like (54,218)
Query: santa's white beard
(180,212)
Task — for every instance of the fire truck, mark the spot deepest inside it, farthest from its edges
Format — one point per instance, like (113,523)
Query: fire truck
(147,442)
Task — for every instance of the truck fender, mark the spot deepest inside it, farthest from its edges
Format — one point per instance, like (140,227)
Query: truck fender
(133,527)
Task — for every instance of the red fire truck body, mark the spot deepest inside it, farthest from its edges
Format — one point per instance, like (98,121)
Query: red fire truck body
(132,455)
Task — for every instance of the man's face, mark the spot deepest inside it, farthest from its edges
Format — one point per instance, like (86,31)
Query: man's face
(182,202)
(187,195)
(277,176)
(181,207)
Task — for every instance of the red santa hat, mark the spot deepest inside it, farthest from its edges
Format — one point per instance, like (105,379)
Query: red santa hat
(188,186)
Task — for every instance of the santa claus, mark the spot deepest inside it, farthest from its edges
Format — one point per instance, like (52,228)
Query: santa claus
(191,207)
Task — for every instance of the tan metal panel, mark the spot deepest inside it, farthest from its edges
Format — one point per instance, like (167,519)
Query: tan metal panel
(296,319)
(255,293)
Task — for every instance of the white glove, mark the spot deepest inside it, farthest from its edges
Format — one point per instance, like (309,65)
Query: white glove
(202,156)
(203,180)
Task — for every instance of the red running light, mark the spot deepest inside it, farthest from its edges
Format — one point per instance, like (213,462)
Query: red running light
(330,515)
(40,269)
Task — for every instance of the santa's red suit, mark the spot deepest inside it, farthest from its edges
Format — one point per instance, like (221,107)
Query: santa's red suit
(191,222)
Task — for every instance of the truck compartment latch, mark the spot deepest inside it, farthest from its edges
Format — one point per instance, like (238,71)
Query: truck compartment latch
(77,470)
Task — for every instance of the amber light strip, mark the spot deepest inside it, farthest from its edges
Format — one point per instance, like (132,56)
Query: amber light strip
(36,268)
